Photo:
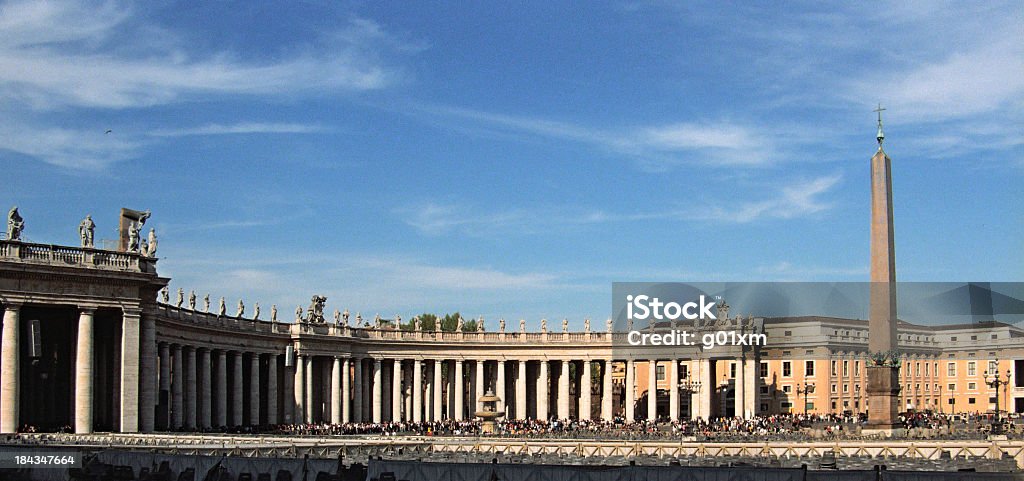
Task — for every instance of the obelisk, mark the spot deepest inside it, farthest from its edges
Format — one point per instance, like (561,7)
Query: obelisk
(883,375)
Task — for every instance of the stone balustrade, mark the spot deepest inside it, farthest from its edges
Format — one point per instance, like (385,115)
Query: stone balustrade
(54,255)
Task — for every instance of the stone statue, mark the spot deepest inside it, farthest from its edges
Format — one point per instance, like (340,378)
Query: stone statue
(437,324)
(133,236)
(15,224)
(241,309)
(501,325)
(273,313)
(398,322)
(180,299)
(565,325)
(480,324)
(151,249)
(416,326)
(165,295)
(608,325)
(522,326)
(298,314)
(376,321)
(337,317)
(586,325)
(256,312)
(359,320)
(192,300)
(206,303)
(86,229)
(222,310)
(316,309)
(543,325)
(344,318)
(460,324)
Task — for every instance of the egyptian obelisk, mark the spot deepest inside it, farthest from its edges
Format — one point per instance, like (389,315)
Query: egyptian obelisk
(883,376)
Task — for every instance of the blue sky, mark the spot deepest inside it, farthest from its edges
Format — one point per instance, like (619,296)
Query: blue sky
(513,160)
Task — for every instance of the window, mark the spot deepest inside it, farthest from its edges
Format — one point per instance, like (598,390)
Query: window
(951,387)
(972,386)
(917,369)
(856,368)
(764,389)
(917,388)
(992,367)
(972,368)
(808,368)
(926,369)
(834,368)
(764,407)
(995,336)
(846,368)
(764,369)
(659,371)
(970,400)
(992,400)
(787,333)
(974,338)
(684,371)
(732,370)
(846,388)
(835,388)
(787,368)
(786,405)
(953,339)
(787,389)
(951,369)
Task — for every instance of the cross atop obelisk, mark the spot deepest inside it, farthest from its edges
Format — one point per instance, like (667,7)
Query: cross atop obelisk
(883,376)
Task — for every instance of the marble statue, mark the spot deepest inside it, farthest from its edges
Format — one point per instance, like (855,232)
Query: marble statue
(316,309)
(180,299)
(398,322)
(298,314)
(437,324)
(359,320)
(337,317)
(480,324)
(416,326)
(376,321)
(241,309)
(133,236)
(165,295)
(206,303)
(522,325)
(86,230)
(460,324)
(543,325)
(501,325)
(256,312)
(565,325)
(344,318)
(151,249)
(608,325)
(192,300)
(273,313)
(222,310)
(15,224)
(586,325)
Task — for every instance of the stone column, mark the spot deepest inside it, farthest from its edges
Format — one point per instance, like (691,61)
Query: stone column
(478,387)
(177,389)
(222,388)
(378,392)
(148,373)
(190,388)
(607,399)
(563,391)
(585,391)
(673,389)
(396,390)
(336,392)
(521,390)
(272,416)
(207,391)
(236,386)
(707,387)
(652,390)
(542,391)
(346,391)
(630,393)
(437,390)
(460,391)
(499,387)
(739,393)
(417,390)
(254,389)
(357,391)
(165,385)
(9,368)
(310,386)
(130,370)
(84,372)
(750,378)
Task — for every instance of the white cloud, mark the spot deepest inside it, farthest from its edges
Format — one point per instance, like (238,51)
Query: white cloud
(240,128)
(71,148)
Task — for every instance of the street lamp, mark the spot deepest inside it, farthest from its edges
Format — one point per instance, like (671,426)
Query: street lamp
(692,388)
(996,381)
(940,397)
(806,389)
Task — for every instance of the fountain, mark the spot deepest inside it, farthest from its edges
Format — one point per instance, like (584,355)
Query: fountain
(488,412)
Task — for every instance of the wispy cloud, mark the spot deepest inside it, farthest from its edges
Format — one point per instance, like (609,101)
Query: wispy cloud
(240,129)
(798,199)
(64,147)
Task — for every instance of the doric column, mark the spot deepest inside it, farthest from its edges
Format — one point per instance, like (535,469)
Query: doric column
(310,386)
(521,390)
(630,393)
(236,386)
(254,389)
(542,391)
(190,388)
(460,391)
(563,391)
(652,390)
(206,394)
(177,389)
(84,372)
(750,380)
(396,390)
(300,389)
(437,390)
(129,370)
(417,390)
(346,409)
(9,370)
(222,388)
(499,386)
(357,391)
(336,392)
(148,373)
(272,416)
(478,386)
(707,388)
(165,385)
(585,389)
(673,389)
(607,399)
(378,392)
(739,387)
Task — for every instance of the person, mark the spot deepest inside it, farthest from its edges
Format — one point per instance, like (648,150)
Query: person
(86,229)
(15,224)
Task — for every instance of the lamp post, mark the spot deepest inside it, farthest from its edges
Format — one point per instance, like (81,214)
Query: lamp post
(692,388)
(940,397)
(996,381)
(805,389)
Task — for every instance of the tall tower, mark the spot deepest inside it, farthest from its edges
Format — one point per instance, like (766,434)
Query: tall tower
(883,376)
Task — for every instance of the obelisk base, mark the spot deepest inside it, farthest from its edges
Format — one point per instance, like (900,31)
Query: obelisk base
(883,402)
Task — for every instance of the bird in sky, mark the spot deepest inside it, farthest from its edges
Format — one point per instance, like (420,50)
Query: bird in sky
(108,131)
